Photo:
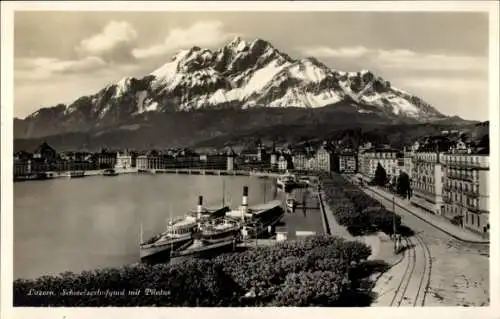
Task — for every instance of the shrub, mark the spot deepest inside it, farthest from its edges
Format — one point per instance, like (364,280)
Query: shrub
(355,210)
(312,271)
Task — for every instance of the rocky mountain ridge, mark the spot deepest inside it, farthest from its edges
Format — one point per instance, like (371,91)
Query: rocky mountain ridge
(239,75)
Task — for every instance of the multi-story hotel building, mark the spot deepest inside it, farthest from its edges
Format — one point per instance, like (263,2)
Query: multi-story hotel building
(347,162)
(466,190)
(321,161)
(427,182)
(390,159)
(123,160)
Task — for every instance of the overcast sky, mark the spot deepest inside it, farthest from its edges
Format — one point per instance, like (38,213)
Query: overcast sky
(440,57)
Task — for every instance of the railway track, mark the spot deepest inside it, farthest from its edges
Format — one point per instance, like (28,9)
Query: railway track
(412,288)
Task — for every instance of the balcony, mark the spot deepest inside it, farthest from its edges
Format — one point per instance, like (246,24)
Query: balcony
(473,208)
(471,193)
(447,199)
(460,177)
(468,164)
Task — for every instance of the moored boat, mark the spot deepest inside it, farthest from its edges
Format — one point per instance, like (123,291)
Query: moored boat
(256,219)
(178,233)
(109,172)
(219,230)
(204,250)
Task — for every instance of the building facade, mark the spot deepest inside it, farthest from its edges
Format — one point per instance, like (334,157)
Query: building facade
(141,162)
(466,190)
(408,156)
(123,160)
(390,159)
(427,182)
(347,163)
(106,159)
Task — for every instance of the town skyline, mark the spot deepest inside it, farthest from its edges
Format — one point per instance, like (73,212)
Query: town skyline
(447,67)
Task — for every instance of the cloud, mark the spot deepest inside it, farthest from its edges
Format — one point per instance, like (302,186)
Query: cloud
(450,85)
(402,59)
(203,33)
(327,52)
(114,43)
(43,68)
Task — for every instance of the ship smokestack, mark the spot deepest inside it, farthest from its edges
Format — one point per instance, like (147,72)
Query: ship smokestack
(244,203)
(200,206)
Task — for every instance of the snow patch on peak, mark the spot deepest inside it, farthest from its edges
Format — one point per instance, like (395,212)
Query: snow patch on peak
(262,77)
(121,87)
(237,44)
(307,71)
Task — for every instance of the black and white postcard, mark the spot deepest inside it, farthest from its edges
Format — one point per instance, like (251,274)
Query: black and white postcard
(290,158)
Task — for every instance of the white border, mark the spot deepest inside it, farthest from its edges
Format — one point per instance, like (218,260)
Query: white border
(7,14)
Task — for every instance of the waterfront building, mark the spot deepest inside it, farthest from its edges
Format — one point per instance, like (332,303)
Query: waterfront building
(141,162)
(22,167)
(230,160)
(153,160)
(347,162)
(106,159)
(123,160)
(285,162)
(427,182)
(300,161)
(466,189)
(215,161)
(45,153)
(390,159)
(323,160)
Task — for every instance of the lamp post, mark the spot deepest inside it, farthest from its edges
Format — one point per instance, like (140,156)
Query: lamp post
(394,222)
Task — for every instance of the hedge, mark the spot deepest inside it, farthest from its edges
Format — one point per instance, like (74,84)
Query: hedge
(312,271)
(356,210)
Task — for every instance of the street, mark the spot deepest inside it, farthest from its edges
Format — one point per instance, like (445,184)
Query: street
(458,273)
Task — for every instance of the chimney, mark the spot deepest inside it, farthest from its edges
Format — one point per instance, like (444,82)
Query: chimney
(244,203)
(200,206)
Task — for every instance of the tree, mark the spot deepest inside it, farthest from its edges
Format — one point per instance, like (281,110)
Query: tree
(380,176)
(403,184)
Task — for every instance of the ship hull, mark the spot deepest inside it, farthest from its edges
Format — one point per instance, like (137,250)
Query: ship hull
(205,251)
(162,252)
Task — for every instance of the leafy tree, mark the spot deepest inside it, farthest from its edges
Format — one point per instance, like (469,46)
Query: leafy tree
(380,176)
(403,184)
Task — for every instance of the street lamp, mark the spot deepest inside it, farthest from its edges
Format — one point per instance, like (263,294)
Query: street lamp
(394,222)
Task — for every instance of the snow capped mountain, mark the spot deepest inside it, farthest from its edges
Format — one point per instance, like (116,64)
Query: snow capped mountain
(240,74)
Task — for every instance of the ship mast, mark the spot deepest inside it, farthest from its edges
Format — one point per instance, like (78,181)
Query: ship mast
(171,242)
(141,232)
(223,191)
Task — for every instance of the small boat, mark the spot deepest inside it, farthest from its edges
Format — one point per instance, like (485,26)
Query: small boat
(109,172)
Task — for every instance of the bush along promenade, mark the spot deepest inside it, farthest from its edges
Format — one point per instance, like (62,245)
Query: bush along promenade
(355,210)
(316,271)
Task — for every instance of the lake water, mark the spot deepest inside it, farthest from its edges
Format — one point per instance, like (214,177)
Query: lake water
(93,222)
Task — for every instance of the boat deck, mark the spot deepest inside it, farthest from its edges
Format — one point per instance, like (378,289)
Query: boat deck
(306,219)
